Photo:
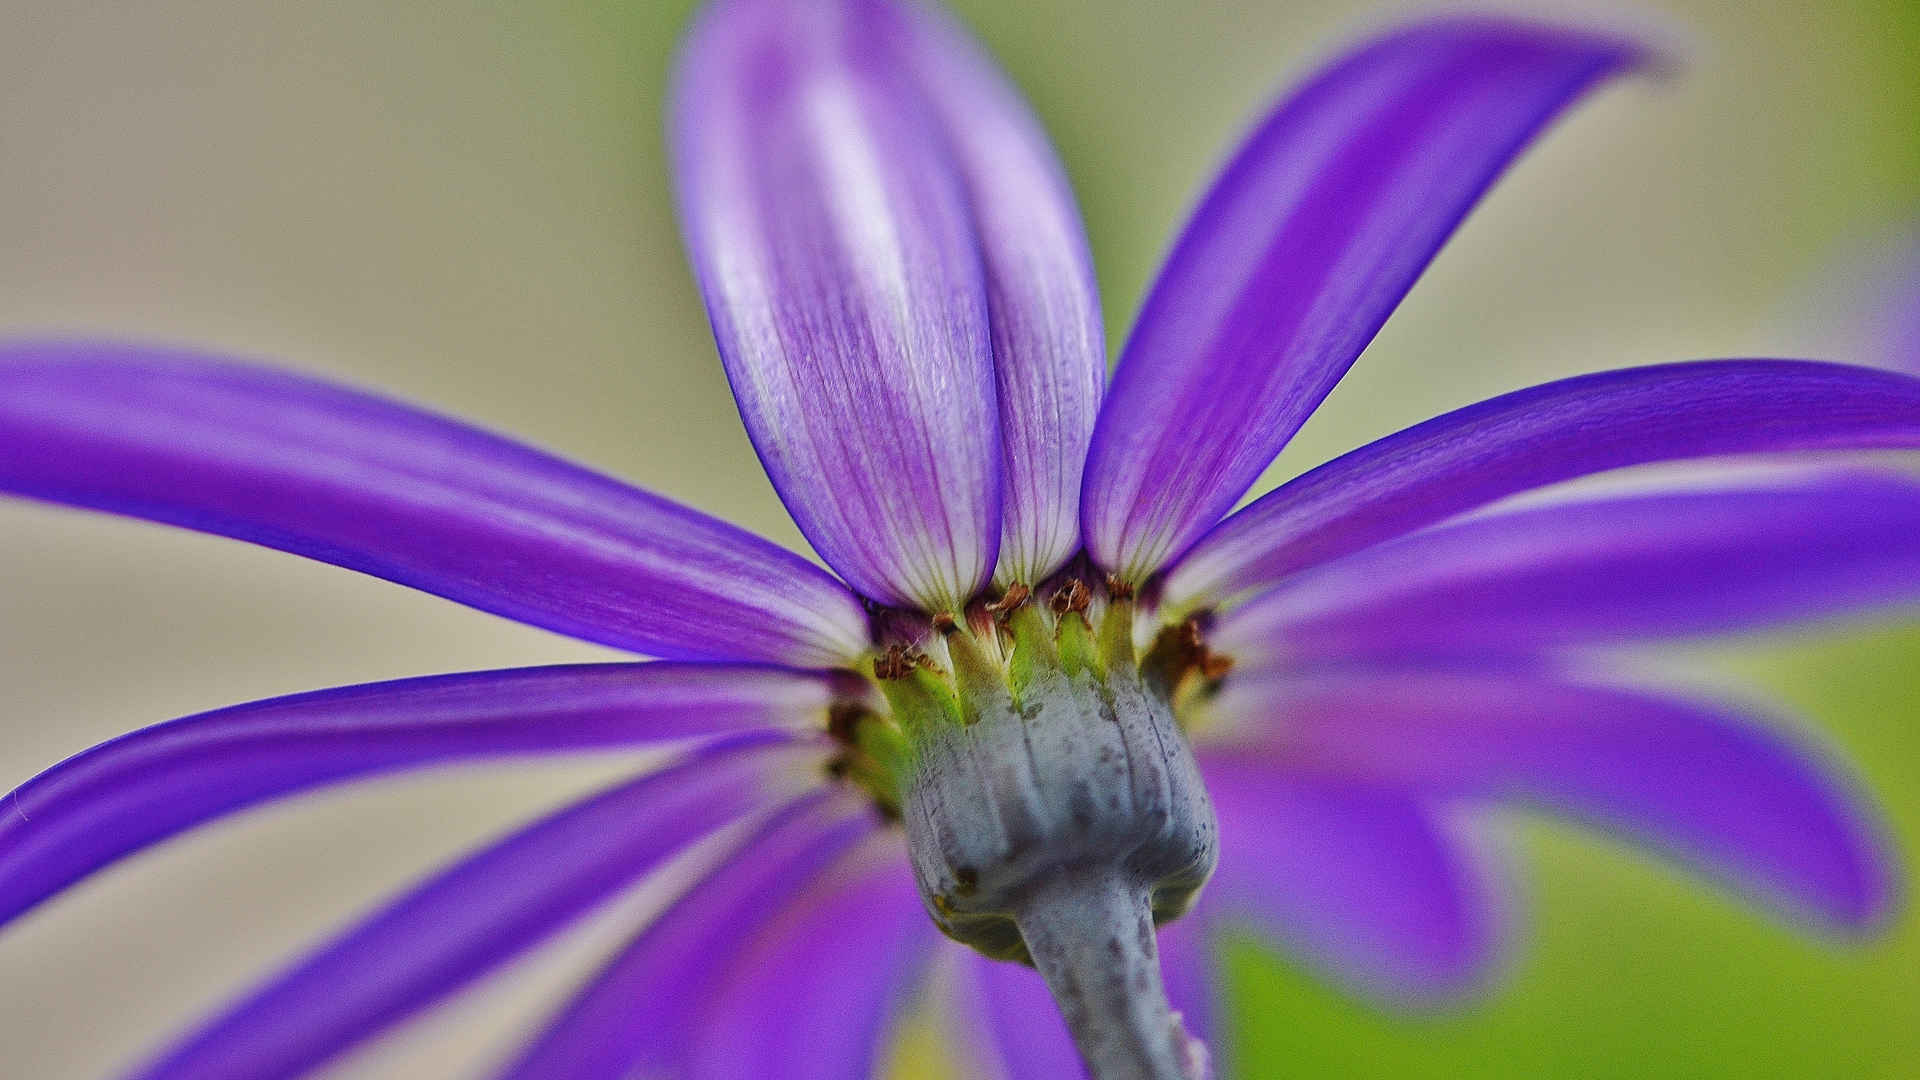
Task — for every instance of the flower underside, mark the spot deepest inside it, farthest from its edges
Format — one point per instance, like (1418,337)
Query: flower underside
(1053,808)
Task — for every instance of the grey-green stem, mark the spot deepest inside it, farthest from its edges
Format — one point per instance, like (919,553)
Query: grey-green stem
(1091,934)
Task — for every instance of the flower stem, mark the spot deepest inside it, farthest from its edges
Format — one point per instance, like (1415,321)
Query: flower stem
(1091,934)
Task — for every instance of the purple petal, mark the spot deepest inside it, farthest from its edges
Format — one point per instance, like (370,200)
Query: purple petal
(816,996)
(1359,881)
(354,480)
(830,234)
(1049,348)
(1541,435)
(141,788)
(1599,570)
(1746,804)
(479,913)
(638,1014)
(1304,246)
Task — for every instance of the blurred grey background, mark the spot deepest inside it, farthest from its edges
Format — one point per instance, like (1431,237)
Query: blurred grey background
(464,204)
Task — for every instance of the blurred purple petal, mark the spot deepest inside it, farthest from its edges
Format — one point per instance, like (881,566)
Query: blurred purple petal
(1599,570)
(1049,347)
(361,482)
(830,234)
(1304,246)
(1357,880)
(816,996)
(481,912)
(638,1014)
(141,788)
(1727,796)
(1541,435)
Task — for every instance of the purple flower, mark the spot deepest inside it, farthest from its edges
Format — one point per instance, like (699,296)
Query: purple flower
(1056,686)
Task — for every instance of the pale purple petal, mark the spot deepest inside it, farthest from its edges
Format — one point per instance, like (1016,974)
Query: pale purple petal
(479,913)
(817,995)
(1362,882)
(1753,806)
(1304,246)
(1541,435)
(365,483)
(1596,571)
(830,234)
(1049,349)
(1903,349)
(121,796)
(1898,316)
(638,1014)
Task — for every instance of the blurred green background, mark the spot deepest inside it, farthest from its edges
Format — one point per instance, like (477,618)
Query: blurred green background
(465,203)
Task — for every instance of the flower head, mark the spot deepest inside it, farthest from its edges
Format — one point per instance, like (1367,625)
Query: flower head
(1057,695)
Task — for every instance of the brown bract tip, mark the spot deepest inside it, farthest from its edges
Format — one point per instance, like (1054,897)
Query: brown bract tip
(1180,651)
(1071,596)
(899,662)
(1015,595)
(843,720)
(896,663)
